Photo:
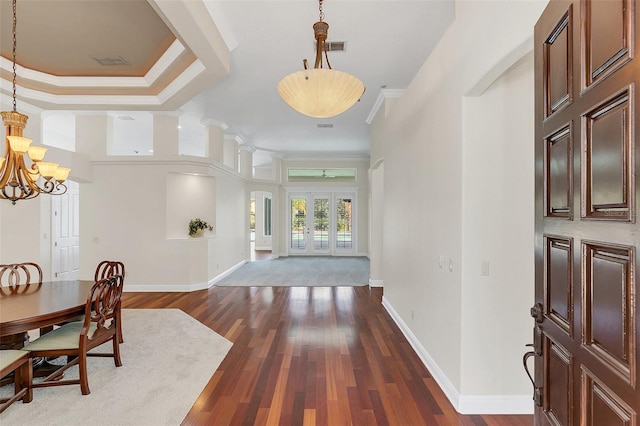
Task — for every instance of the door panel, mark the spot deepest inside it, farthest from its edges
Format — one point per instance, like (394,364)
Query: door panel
(321,220)
(587,235)
(344,224)
(607,183)
(65,229)
(298,224)
(606,46)
(558,286)
(609,315)
(558,76)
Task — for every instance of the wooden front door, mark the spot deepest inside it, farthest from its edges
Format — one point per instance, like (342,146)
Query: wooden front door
(587,234)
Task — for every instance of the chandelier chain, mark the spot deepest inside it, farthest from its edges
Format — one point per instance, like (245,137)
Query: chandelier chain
(15,21)
(321,11)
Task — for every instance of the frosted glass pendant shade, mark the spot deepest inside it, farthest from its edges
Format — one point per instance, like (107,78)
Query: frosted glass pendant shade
(19,144)
(61,174)
(319,92)
(36,153)
(47,169)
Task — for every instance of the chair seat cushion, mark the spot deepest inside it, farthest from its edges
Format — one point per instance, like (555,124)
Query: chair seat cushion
(65,337)
(9,356)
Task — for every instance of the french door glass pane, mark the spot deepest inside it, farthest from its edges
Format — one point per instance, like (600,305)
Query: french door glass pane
(321,224)
(343,223)
(298,223)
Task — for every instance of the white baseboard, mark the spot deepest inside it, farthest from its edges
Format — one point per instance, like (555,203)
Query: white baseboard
(173,288)
(492,404)
(463,404)
(229,271)
(262,248)
(376,283)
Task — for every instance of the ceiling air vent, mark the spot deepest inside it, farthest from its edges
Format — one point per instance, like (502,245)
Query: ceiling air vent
(335,46)
(111,62)
(325,126)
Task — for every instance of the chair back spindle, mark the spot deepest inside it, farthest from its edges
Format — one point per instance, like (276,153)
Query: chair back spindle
(16,274)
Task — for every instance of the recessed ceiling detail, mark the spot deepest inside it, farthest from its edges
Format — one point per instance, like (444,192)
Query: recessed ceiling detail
(111,54)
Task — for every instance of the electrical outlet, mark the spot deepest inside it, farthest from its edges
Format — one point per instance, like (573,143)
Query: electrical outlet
(441,261)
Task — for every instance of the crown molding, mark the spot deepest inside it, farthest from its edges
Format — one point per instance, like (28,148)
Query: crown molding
(382,96)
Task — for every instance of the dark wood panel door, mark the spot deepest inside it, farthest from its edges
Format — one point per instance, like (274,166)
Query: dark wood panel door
(587,235)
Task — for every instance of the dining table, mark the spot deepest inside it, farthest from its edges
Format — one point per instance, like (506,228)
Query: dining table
(39,305)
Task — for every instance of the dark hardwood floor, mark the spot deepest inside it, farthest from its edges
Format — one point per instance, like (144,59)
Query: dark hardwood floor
(311,356)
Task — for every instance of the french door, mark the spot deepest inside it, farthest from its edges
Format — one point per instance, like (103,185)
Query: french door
(320,223)
(587,326)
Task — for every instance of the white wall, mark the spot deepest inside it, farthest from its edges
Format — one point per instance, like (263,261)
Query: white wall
(129,223)
(498,229)
(436,221)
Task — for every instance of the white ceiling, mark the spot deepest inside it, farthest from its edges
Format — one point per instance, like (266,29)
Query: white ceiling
(243,49)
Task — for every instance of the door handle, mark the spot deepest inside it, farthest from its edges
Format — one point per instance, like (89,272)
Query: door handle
(525,358)
(537,351)
(537,390)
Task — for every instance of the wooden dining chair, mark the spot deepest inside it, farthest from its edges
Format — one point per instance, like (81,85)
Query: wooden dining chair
(74,340)
(106,269)
(19,363)
(15,274)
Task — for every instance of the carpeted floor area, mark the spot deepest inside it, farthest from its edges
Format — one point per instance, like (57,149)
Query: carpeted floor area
(307,271)
(164,371)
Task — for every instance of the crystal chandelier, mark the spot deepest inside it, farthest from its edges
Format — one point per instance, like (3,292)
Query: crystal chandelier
(320,92)
(17,180)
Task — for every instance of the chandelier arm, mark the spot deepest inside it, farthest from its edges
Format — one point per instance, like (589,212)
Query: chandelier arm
(25,183)
(7,166)
(48,186)
(319,48)
(61,187)
(326,56)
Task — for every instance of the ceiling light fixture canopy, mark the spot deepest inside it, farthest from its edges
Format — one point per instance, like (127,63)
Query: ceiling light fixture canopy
(17,180)
(320,92)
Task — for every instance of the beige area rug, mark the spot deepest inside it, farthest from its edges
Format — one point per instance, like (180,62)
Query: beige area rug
(168,357)
(309,271)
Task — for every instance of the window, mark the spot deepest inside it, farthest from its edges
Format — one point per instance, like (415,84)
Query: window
(267,216)
(319,175)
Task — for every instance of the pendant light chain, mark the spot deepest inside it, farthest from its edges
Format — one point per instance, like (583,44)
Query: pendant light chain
(15,21)
(326,55)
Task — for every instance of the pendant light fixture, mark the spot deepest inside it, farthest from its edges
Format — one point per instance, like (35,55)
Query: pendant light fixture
(320,92)
(17,180)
